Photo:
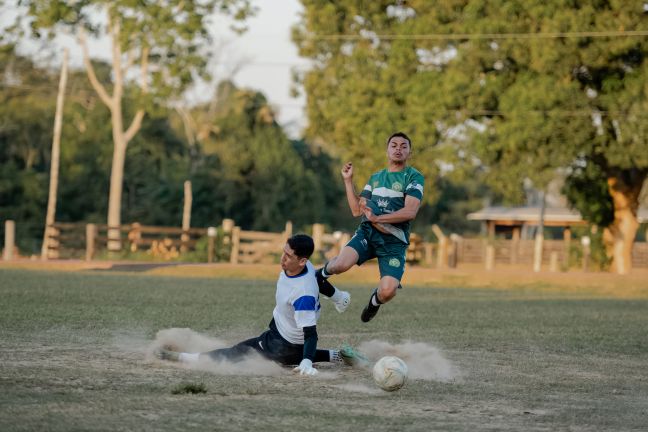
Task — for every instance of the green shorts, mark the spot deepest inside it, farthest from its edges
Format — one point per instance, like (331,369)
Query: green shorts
(390,251)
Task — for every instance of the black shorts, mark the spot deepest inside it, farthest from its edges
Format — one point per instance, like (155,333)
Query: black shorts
(271,345)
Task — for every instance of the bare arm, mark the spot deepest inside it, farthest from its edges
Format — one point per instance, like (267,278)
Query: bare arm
(353,199)
(407,213)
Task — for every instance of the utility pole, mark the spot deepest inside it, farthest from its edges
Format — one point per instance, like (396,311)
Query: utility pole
(539,237)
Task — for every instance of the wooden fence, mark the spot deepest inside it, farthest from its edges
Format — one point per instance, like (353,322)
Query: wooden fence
(229,243)
(73,240)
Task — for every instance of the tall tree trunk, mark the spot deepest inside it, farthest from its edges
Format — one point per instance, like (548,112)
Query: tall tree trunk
(625,189)
(116,183)
(121,138)
(56,151)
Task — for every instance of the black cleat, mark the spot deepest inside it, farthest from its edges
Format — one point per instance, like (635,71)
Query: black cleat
(370,310)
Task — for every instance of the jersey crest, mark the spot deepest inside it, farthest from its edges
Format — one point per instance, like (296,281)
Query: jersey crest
(383,203)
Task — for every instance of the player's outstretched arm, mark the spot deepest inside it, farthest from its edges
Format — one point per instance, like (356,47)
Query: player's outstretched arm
(310,347)
(352,196)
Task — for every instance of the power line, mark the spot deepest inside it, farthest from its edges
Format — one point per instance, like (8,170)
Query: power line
(474,36)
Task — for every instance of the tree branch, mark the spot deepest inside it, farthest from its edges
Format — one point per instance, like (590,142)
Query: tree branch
(139,115)
(99,88)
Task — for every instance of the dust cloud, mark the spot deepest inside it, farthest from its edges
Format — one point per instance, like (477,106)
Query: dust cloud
(424,361)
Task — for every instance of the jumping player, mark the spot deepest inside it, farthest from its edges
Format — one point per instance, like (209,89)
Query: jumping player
(387,204)
(292,335)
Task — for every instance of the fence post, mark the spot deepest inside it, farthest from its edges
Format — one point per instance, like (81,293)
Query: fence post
(442,255)
(585,241)
(490,257)
(454,251)
(567,247)
(318,233)
(54,242)
(91,236)
(515,245)
(553,262)
(9,240)
(228,226)
(289,229)
(537,253)
(50,242)
(429,251)
(134,236)
(186,217)
(236,238)
(211,242)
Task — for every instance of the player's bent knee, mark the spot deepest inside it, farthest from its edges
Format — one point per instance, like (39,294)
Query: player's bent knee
(387,290)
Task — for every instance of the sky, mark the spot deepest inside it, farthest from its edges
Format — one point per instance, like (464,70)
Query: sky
(271,55)
(261,59)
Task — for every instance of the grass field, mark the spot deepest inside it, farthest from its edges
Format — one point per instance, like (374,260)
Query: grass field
(75,356)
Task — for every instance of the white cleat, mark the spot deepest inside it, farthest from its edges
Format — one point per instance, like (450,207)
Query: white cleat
(343,302)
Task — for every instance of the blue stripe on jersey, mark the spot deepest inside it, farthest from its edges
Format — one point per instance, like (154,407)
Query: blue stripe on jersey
(305,303)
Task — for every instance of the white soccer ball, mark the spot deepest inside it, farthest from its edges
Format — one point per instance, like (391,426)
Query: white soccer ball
(390,373)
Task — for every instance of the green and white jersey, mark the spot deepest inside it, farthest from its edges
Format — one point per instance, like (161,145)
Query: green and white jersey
(386,191)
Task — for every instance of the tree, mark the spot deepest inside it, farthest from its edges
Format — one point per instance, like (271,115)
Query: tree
(261,177)
(528,87)
(163,41)
(361,90)
(27,104)
(50,217)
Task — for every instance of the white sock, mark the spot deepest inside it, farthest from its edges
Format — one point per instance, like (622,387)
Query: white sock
(374,300)
(189,357)
(335,357)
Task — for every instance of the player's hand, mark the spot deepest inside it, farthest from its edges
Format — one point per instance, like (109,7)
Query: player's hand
(306,368)
(347,171)
(369,214)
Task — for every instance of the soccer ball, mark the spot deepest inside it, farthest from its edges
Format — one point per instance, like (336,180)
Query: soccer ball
(390,373)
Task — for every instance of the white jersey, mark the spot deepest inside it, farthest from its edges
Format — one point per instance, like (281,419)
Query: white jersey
(297,304)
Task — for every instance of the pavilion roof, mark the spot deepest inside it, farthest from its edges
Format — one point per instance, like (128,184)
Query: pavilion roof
(558,216)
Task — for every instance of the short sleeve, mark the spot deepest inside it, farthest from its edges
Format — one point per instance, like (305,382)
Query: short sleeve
(415,186)
(306,308)
(367,191)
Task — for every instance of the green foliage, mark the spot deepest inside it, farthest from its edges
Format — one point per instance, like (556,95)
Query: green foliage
(587,190)
(262,178)
(360,92)
(171,35)
(249,171)
(597,258)
(520,106)
(456,200)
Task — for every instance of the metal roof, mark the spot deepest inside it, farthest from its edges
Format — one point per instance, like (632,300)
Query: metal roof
(532,214)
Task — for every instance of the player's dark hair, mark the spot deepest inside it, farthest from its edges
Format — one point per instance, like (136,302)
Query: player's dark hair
(400,135)
(302,245)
